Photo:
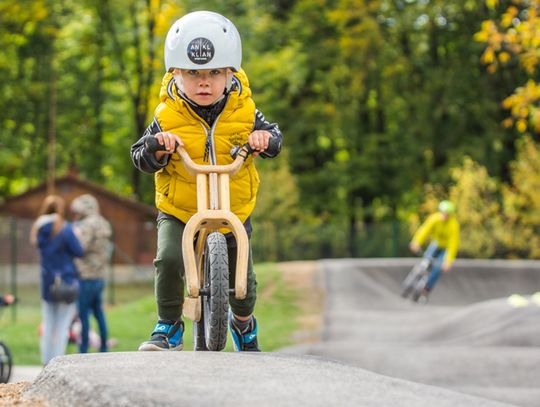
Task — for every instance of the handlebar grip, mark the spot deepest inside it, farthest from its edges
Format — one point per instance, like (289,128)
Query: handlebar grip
(151,144)
(236,149)
(274,147)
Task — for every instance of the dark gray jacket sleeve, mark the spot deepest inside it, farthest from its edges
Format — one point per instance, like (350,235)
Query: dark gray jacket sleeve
(143,160)
(262,124)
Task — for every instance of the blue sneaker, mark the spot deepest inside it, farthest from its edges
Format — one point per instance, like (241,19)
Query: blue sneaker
(167,335)
(244,341)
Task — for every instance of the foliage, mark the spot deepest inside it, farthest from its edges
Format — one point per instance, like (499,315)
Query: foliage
(497,219)
(375,100)
(516,34)
(475,193)
(521,199)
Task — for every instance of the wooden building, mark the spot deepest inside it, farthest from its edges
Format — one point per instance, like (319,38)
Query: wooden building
(133,222)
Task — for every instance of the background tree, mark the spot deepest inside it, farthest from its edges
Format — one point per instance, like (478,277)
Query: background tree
(512,37)
(26,35)
(376,101)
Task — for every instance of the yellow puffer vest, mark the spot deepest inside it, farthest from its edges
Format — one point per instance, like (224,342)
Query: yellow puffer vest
(176,189)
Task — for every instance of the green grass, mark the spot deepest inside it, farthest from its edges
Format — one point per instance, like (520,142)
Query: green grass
(134,315)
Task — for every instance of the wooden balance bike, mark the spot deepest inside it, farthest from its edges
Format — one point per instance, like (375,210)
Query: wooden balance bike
(204,249)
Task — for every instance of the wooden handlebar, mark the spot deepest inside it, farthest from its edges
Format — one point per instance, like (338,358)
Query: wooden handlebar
(195,168)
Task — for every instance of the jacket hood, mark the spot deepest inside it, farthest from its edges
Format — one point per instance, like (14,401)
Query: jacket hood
(85,205)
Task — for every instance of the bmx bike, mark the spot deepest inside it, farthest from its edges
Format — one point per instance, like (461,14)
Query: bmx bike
(6,363)
(204,248)
(416,280)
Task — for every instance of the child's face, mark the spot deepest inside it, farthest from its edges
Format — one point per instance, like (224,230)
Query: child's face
(204,86)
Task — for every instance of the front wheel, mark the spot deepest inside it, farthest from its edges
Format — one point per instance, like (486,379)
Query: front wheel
(5,363)
(199,337)
(419,288)
(216,303)
(410,281)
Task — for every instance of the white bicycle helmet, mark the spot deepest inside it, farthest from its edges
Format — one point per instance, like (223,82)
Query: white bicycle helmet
(203,40)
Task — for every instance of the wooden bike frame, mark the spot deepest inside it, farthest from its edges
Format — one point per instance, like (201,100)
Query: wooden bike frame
(213,213)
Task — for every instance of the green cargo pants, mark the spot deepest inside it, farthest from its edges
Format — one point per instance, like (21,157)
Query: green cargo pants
(169,278)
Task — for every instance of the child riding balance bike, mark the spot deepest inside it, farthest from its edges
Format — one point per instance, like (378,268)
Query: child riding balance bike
(206,110)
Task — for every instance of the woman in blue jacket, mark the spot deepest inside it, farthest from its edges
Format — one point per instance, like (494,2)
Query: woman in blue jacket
(58,246)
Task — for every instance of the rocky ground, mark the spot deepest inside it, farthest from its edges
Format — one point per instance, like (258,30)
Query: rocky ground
(11,395)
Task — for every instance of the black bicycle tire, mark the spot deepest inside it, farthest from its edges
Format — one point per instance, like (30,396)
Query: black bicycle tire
(419,289)
(199,340)
(216,304)
(408,288)
(6,363)
(406,291)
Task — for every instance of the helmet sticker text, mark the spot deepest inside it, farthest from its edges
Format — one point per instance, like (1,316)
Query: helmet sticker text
(200,51)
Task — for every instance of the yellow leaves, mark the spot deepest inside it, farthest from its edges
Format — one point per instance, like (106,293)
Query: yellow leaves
(485,32)
(508,122)
(519,35)
(166,13)
(481,36)
(529,60)
(491,4)
(523,112)
(521,199)
(488,57)
(504,57)
(508,17)
(521,125)
(475,194)
(523,106)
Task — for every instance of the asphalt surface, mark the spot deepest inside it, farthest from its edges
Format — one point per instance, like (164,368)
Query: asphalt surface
(479,333)
(228,379)
(469,346)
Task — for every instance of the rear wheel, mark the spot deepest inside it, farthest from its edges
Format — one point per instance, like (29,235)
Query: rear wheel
(216,303)
(5,363)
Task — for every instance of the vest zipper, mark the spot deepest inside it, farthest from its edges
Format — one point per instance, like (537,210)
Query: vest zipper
(210,142)
(209,147)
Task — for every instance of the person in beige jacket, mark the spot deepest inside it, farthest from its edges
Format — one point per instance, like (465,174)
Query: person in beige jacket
(95,234)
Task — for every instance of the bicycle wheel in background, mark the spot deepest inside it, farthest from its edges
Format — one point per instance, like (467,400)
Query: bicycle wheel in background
(419,287)
(5,363)
(216,303)
(410,281)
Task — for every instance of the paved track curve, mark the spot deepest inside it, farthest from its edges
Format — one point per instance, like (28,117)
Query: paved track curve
(467,347)
(471,337)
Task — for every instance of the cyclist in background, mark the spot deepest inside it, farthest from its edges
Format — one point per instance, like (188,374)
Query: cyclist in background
(442,229)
